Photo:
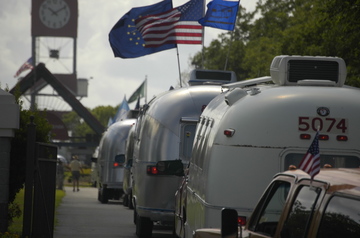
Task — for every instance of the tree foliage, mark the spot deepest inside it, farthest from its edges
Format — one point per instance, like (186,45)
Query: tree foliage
(287,27)
(80,128)
(19,145)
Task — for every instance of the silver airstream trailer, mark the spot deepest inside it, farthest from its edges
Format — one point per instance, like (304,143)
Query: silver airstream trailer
(165,131)
(262,126)
(128,177)
(111,159)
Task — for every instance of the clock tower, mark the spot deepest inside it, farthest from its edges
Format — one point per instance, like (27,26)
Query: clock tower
(54,33)
(54,14)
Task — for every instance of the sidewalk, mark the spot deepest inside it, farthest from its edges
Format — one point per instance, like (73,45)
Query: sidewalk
(81,215)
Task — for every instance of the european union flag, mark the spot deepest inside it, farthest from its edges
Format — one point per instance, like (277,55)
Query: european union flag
(221,14)
(124,38)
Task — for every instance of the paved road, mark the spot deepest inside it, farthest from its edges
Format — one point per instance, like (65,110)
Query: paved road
(80,215)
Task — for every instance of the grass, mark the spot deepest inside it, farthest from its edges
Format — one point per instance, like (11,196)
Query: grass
(15,228)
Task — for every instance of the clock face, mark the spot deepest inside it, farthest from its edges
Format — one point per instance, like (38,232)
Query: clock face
(54,13)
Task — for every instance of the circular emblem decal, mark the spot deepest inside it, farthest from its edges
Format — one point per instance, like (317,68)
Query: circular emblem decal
(323,111)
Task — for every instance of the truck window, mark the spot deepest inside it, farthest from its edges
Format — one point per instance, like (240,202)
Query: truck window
(336,161)
(341,218)
(269,210)
(301,212)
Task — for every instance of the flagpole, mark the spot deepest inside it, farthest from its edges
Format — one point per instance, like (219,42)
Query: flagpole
(178,58)
(203,37)
(145,89)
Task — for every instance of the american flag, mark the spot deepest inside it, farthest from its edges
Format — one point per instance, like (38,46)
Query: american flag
(176,26)
(311,161)
(27,65)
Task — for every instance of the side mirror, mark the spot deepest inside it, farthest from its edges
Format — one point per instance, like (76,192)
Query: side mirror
(120,159)
(170,167)
(229,223)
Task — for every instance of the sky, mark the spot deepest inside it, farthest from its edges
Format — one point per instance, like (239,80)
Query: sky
(110,79)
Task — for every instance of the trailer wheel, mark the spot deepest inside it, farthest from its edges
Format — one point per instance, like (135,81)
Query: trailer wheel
(144,227)
(104,195)
(174,235)
(135,216)
(126,200)
(131,205)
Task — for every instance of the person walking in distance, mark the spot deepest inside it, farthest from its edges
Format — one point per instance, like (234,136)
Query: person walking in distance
(75,167)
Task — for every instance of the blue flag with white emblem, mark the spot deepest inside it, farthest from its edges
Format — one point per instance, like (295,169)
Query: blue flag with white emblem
(221,14)
(126,41)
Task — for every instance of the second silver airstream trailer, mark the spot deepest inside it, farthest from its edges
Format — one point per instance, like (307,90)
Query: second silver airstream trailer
(165,131)
(111,159)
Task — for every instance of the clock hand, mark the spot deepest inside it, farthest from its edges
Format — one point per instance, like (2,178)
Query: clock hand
(60,9)
(53,12)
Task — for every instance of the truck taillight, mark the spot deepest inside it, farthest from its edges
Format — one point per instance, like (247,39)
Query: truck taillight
(241,221)
(152,170)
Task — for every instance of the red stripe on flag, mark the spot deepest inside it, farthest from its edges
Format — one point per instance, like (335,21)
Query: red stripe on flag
(311,161)
(167,28)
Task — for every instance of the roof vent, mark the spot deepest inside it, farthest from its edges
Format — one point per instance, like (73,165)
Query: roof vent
(216,77)
(254,91)
(292,70)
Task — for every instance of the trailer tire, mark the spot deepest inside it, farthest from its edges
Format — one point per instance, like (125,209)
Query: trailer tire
(104,195)
(144,227)
(126,200)
(131,205)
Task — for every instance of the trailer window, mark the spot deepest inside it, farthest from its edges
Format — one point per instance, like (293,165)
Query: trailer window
(341,218)
(335,161)
(120,158)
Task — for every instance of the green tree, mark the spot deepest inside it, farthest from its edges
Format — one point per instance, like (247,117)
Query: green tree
(341,31)
(226,52)
(258,56)
(18,148)
(274,19)
(288,27)
(80,128)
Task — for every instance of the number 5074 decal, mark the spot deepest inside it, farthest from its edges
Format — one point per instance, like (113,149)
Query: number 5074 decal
(325,125)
